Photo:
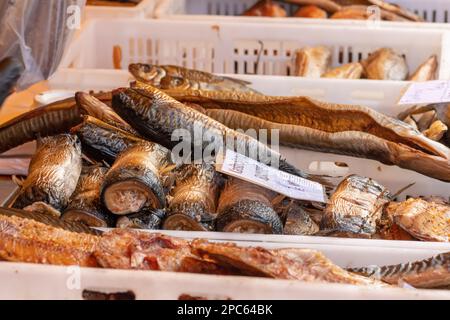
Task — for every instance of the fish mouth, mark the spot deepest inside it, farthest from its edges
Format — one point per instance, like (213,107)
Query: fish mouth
(248,226)
(129,196)
(180,221)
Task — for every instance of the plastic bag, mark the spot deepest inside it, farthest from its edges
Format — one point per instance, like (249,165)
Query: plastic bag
(36,32)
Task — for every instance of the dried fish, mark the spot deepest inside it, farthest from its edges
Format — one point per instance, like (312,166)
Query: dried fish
(149,219)
(43,208)
(247,208)
(194,199)
(85,205)
(55,118)
(298,221)
(156,116)
(429,273)
(311,11)
(179,78)
(24,240)
(425,120)
(426,71)
(442,113)
(312,62)
(385,64)
(49,120)
(346,71)
(356,206)
(265,8)
(342,129)
(134,181)
(427,221)
(387,229)
(98,109)
(130,249)
(48,219)
(293,264)
(53,172)
(436,131)
(102,141)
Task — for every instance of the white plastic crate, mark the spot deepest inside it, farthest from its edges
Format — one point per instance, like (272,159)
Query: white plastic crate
(142,10)
(32,281)
(430,10)
(265,49)
(381,96)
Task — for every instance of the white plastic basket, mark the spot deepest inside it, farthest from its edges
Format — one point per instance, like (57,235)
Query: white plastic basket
(32,281)
(430,10)
(236,47)
(381,96)
(142,10)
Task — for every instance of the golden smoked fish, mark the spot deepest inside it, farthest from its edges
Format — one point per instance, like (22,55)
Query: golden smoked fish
(343,129)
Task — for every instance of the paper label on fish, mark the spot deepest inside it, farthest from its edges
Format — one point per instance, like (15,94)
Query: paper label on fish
(426,92)
(245,168)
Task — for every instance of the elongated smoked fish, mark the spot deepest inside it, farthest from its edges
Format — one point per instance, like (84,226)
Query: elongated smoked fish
(55,118)
(176,77)
(343,129)
(429,273)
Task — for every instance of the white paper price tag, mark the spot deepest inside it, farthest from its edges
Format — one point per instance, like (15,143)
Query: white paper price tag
(242,167)
(426,93)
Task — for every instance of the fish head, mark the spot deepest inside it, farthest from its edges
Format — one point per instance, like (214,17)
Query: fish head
(147,73)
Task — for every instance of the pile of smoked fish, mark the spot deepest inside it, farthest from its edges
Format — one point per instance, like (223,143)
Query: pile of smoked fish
(383,64)
(333,9)
(107,160)
(61,243)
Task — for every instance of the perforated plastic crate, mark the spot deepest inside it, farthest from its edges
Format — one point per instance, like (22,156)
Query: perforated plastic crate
(240,48)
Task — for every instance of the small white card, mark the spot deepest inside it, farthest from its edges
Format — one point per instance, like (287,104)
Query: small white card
(426,92)
(245,168)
